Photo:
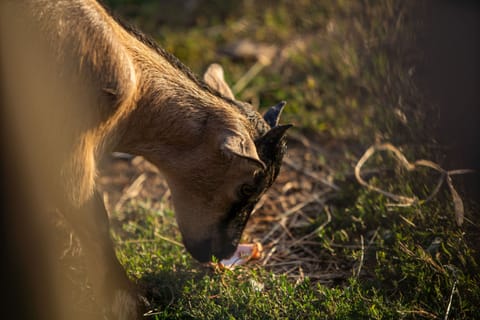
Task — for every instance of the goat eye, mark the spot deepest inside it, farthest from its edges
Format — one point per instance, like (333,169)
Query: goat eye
(246,190)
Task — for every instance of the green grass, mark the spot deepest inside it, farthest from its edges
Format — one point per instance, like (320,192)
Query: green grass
(406,274)
(347,80)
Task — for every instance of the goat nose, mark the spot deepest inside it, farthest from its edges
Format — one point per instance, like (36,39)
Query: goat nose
(200,249)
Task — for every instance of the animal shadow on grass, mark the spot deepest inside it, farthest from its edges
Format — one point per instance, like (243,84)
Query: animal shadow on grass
(164,288)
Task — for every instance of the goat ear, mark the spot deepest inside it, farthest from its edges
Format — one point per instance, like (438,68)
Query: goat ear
(214,78)
(237,145)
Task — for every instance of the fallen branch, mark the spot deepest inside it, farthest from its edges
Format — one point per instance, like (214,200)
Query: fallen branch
(408,201)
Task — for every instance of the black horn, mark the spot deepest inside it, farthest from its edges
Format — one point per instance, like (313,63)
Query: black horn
(272,116)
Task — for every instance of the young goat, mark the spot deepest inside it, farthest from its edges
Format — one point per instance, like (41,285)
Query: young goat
(84,86)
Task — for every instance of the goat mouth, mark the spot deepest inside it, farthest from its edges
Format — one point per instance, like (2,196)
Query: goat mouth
(203,251)
(226,252)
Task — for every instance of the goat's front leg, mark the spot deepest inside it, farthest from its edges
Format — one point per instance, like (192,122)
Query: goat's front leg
(114,291)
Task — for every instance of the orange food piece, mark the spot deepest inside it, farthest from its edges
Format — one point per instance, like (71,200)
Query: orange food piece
(257,251)
(244,253)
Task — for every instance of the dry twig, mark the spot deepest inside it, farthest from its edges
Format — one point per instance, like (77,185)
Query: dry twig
(408,201)
(132,191)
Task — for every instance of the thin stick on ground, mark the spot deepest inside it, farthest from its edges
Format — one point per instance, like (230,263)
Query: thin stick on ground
(408,201)
(132,191)
(362,255)
(310,174)
(447,312)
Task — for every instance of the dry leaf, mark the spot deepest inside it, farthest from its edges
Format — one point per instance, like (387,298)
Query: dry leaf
(457,202)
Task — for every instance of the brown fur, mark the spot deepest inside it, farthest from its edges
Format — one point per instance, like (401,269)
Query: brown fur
(87,86)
